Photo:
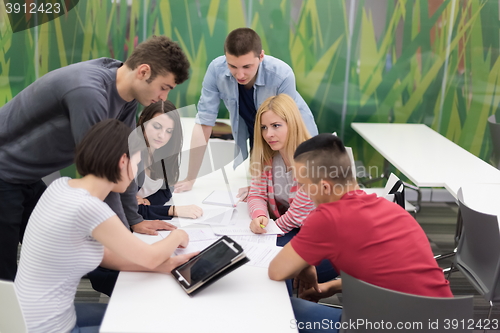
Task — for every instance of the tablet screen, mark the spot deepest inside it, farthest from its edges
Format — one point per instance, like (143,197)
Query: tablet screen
(207,263)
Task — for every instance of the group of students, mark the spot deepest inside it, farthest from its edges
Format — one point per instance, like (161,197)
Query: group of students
(302,180)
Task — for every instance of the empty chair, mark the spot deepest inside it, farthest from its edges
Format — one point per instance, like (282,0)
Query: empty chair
(393,190)
(369,308)
(11,316)
(478,252)
(495,138)
(393,185)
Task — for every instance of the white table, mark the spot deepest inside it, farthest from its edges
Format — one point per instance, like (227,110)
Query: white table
(245,300)
(426,157)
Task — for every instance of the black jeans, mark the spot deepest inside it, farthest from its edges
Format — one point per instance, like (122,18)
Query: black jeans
(17,201)
(103,279)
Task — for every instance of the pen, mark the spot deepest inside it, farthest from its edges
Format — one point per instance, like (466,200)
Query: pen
(262,226)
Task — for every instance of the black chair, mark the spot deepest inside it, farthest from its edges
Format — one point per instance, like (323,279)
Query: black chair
(378,308)
(478,252)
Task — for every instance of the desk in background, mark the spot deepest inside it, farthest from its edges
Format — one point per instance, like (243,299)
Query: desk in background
(426,157)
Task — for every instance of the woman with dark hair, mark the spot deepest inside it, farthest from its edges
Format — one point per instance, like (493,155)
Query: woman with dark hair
(72,231)
(161,126)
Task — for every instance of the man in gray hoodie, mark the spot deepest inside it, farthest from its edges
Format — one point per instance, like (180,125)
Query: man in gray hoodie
(40,127)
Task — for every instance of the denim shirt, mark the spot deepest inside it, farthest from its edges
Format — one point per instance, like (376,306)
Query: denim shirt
(273,77)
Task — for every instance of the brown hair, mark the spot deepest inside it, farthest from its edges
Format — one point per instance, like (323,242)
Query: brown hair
(242,41)
(163,56)
(100,150)
(170,154)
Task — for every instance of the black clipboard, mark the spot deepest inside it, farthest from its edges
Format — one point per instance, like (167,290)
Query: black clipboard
(214,262)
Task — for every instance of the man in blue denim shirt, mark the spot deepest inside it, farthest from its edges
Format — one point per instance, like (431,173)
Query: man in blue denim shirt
(243,79)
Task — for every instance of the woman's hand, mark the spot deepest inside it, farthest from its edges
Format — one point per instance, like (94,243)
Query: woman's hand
(174,262)
(259,224)
(189,211)
(181,237)
(142,201)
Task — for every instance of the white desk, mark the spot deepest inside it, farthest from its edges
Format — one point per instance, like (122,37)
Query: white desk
(426,157)
(245,300)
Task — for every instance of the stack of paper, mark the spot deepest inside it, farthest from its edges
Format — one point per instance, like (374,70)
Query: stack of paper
(221,198)
(211,215)
(242,230)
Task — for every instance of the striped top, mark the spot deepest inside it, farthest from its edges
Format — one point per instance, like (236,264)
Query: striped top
(261,199)
(58,249)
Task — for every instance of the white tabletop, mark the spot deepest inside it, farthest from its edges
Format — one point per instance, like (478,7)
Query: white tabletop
(245,300)
(426,157)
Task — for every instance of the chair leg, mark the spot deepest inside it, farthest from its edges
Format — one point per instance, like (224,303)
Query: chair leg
(489,314)
(331,305)
(446,255)
(450,270)
(419,195)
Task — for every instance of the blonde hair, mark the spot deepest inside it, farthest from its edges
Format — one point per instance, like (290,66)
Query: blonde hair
(285,107)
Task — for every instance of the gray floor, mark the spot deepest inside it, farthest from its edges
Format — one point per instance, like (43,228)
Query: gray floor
(438,221)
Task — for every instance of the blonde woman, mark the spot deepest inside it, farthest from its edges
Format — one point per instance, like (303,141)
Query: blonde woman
(274,192)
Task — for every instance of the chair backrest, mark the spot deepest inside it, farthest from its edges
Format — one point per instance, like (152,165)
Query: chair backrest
(351,157)
(478,251)
(495,138)
(11,316)
(369,307)
(393,192)
(393,179)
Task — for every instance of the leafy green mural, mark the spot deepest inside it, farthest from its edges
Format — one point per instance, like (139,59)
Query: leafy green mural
(419,61)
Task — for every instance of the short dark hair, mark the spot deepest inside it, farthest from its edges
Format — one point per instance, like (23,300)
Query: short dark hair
(163,56)
(242,41)
(100,150)
(170,154)
(325,157)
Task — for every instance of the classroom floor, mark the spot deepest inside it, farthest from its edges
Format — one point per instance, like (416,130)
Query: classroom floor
(438,221)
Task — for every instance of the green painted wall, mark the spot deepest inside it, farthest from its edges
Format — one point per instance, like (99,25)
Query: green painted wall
(417,61)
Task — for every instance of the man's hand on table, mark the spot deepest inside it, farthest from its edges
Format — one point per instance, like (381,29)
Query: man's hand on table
(150,227)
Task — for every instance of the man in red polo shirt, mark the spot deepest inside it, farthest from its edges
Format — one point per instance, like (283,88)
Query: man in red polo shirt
(365,236)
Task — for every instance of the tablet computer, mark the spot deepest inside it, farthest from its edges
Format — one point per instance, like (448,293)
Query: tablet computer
(217,260)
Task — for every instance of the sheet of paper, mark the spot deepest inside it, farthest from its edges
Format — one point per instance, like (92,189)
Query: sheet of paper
(194,246)
(195,234)
(264,239)
(260,255)
(211,215)
(240,230)
(222,198)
